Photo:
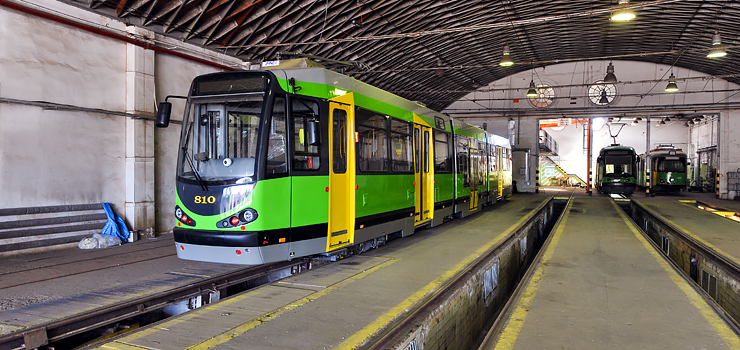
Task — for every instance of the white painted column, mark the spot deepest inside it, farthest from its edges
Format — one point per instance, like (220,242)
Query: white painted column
(140,214)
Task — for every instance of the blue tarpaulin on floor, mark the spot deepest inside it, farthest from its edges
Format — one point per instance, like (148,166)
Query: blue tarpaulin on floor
(115,226)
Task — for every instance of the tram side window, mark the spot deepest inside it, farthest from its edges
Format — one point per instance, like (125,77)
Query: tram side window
(277,159)
(463,159)
(401,146)
(492,159)
(442,160)
(482,163)
(372,141)
(305,155)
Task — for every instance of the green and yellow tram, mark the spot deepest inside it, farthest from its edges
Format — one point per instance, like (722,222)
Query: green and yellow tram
(285,163)
(664,171)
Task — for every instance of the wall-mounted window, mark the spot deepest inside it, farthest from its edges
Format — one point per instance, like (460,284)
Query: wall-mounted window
(372,141)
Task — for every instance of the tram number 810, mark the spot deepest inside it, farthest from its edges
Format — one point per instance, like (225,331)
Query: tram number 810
(204,200)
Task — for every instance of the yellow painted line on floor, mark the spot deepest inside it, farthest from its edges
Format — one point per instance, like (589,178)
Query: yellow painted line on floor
(123,343)
(728,336)
(695,237)
(513,327)
(174,322)
(360,337)
(239,330)
(687,201)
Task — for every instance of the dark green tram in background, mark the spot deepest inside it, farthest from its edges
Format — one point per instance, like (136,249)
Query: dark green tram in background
(616,170)
(284,163)
(664,171)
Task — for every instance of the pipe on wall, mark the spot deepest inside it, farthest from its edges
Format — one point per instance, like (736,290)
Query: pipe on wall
(108,34)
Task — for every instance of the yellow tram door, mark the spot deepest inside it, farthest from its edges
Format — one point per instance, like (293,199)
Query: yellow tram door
(423,174)
(341,175)
(474,176)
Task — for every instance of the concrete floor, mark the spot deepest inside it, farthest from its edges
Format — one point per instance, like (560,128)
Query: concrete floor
(39,288)
(340,305)
(602,286)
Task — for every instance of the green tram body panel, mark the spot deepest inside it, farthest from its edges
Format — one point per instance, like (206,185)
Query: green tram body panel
(290,204)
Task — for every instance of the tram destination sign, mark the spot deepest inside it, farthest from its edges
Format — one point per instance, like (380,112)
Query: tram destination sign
(233,85)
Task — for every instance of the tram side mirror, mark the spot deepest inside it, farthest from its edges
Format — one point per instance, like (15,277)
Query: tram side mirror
(163,114)
(314,133)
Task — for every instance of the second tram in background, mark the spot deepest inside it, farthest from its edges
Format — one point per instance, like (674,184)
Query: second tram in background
(665,171)
(616,170)
(285,163)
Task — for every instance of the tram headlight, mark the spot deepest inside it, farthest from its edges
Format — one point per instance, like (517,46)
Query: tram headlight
(248,215)
(178,212)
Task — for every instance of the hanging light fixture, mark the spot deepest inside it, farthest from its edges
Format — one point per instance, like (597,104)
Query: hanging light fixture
(662,122)
(667,119)
(506,58)
(610,77)
(717,49)
(532,92)
(603,100)
(623,14)
(671,87)
(691,122)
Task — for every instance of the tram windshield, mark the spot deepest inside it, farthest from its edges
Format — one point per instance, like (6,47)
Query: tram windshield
(618,164)
(672,165)
(220,139)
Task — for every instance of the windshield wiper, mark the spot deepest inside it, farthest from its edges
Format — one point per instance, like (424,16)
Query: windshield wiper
(202,183)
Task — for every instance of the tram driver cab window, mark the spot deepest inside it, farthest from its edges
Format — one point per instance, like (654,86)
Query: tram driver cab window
(277,159)
(306,156)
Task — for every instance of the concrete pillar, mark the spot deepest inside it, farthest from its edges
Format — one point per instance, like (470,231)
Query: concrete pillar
(140,214)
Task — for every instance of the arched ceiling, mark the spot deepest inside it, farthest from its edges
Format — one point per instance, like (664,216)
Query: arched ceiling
(436,51)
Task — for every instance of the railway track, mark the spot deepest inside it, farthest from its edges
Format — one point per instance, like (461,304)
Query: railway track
(705,269)
(59,330)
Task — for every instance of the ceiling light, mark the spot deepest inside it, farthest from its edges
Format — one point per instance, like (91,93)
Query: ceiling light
(506,58)
(667,119)
(691,122)
(603,100)
(662,122)
(638,118)
(610,77)
(623,13)
(671,87)
(532,92)
(717,49)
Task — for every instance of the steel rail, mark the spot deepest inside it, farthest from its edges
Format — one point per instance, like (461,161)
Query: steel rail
(388,337)
(60,329)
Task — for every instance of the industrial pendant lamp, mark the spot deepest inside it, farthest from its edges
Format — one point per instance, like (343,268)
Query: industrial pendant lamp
(603,100)
(671,87)
(506,58)
(623,14)
(717,50)
(610,77)
(532,92)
